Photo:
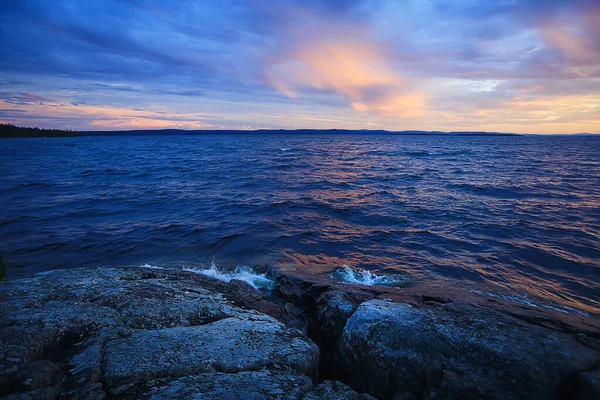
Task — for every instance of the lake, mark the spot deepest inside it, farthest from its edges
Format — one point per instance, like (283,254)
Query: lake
(516,217)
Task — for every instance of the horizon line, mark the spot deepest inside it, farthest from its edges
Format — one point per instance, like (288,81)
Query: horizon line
(329,131)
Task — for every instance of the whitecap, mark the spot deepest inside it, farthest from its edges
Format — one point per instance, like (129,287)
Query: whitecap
(285,149)
(242,273)
(364,277)
(151,266)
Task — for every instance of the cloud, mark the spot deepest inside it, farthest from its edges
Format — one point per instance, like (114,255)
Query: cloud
(339,58)
(22,98)
(575,35)
(83,116)
(362,63)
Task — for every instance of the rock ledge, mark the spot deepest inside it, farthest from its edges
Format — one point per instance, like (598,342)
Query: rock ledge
(139,333)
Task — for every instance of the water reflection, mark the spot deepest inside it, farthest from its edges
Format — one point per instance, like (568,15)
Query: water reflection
(513,215)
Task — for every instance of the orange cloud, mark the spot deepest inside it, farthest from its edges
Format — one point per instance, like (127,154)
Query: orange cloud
(104,116)
(144,123)
(549,114)
(573,44)
(343,60)
(575,36)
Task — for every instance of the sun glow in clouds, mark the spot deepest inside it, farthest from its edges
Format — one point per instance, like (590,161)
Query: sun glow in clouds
(341,59)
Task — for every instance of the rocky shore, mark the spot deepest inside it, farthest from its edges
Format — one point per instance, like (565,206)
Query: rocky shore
(140,333)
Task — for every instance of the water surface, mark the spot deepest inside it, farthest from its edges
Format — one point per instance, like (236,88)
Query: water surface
(510,216)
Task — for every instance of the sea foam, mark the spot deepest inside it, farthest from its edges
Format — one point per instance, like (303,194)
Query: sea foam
(242,273)
(365,277)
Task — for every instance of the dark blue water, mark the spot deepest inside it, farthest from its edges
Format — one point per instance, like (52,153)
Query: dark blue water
(514,216)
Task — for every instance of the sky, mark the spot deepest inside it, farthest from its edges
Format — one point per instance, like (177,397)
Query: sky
(529,66)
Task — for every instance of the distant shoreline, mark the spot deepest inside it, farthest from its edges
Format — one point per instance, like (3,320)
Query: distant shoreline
(183,132)
(11,131)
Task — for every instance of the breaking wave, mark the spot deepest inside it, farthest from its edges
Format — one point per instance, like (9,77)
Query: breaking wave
(242,273)
(364,277)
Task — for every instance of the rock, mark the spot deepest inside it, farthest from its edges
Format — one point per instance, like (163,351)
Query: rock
(302,292)
(333,308)
(38,375)
(81,333)
(230,345)
(49,393)
(332,311)
(160,334)
(93,391)
(251,385)
(245,295)
(334,390)
(456,351)
(295,317)
(588,386)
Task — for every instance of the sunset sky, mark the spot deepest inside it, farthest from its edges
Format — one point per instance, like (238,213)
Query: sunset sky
(530,66)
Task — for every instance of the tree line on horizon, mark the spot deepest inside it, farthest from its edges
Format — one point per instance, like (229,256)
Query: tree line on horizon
(13,131)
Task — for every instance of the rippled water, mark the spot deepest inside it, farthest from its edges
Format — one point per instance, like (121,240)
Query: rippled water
(512,216)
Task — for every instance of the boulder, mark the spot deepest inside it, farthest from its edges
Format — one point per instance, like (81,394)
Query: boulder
(457,351)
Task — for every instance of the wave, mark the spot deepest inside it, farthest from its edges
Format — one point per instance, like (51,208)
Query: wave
(242,273)
(151,266)
(367,278)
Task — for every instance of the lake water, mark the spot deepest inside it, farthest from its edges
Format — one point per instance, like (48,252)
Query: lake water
(508,216)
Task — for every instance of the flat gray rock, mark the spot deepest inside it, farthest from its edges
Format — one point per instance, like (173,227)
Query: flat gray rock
(88,334)
(235,344)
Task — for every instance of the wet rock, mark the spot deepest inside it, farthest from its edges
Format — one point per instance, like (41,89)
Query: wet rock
(296,290)
(334,390)
(456,351)
(245,295)
(432,299)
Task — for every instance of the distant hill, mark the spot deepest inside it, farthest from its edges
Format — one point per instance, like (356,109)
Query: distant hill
(12,131)
(8,131)
(288,132)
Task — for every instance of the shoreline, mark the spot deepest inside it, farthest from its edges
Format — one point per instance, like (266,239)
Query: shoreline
(138,332)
